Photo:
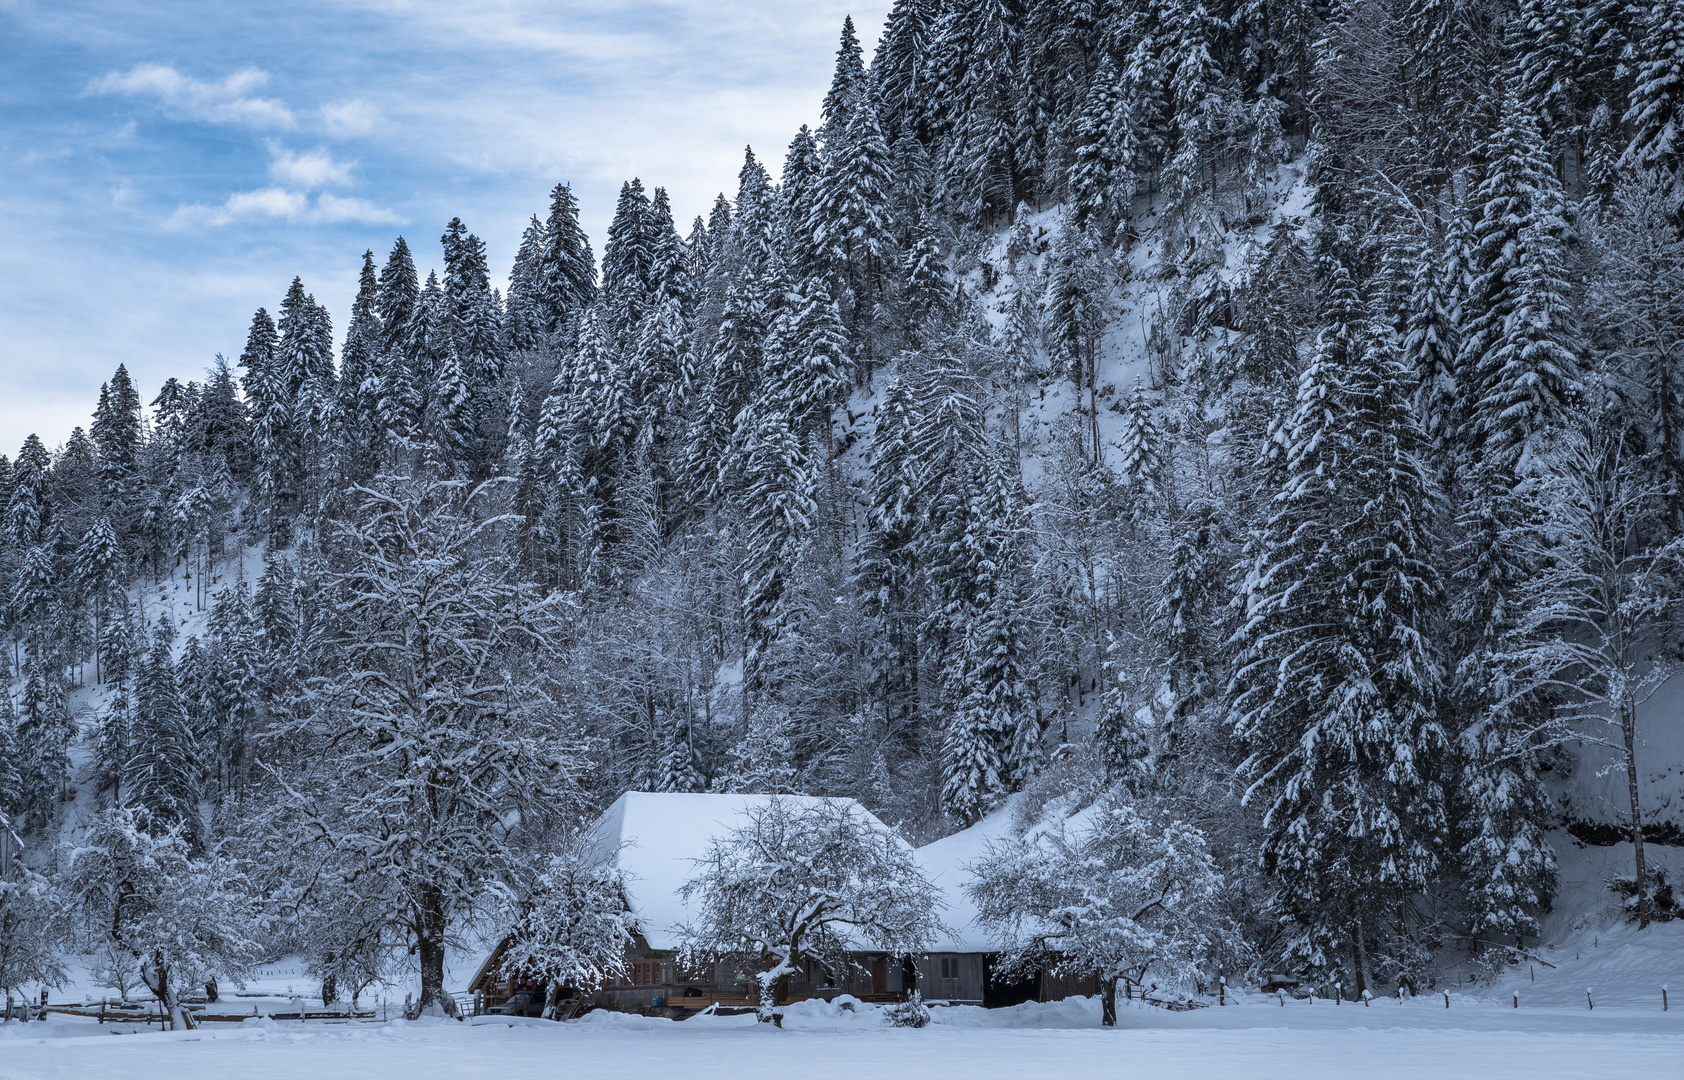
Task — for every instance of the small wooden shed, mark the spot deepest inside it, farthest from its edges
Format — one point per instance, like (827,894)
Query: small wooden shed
(964,966)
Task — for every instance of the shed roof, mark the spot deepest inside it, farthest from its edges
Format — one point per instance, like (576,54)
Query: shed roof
(946,863)
(657,837)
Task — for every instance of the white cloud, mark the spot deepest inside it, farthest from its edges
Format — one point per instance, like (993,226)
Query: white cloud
(311,169)
(344,119)
(225,102)
(278,203)
(331,208)
(265,202)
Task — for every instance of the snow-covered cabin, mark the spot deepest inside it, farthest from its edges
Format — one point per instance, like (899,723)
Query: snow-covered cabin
(961,967)
(656,839)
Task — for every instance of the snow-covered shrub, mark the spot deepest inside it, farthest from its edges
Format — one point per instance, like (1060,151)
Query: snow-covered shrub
(806,882)
(1126,890)
(32,928)
(182,918)
(912,1013)
(574,925)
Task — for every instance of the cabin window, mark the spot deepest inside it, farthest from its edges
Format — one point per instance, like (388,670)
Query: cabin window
(950,967)
(646,973)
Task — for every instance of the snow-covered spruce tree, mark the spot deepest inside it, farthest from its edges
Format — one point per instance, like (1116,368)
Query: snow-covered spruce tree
(29,509)
(850,225)
(1656,112)
(568,269)
(237,685)
(778,504)
(1186,619)
(99,567)
(116,430)
(439,762)
(272,404)
(395,302)
(356,410)
(11,774)
(799,192)
(992,742)
(1121,734)
(45,729)
(1100,184)
(1506,865)
(675,768)
(1336,688)
(886,572)
(847,82)
(1518,356)
(180,917)
(801,883)
(762,762)
(164,771)
(1140,461)
(573,924)
(928,291)
(1431,338)
(814,375)
(523,317)
(1120,891)
(1593,617)
(451,407)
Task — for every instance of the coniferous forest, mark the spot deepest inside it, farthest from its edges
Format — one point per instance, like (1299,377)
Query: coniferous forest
(1261,415)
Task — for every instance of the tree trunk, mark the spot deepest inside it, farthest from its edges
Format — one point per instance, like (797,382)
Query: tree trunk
(1628,730)
(156,975)
(429,948)
(1669,437)
(1108,1002)
(1359,959)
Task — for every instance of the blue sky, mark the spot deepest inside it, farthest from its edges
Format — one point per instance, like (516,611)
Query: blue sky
(167,167)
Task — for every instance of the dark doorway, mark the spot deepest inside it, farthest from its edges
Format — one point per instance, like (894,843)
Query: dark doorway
(998,991)
(908,976)
(879,976)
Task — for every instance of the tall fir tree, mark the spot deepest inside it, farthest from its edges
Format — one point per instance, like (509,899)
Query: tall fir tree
(399,290)
(568,267)
(1518,350)
(1337,685)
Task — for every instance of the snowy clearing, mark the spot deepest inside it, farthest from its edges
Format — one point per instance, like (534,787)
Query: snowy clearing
(1255,1041)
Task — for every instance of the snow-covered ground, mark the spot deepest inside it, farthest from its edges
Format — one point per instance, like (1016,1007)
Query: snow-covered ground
(1255,1040)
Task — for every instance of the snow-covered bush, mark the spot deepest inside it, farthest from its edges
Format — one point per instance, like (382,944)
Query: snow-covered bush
(32,928)
(911,1013)
(805,882)
(1124,891)
(182,918)
(346,940)
(574,925)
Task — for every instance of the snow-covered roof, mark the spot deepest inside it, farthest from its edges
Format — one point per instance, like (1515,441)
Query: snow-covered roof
(656,838)
(945,863)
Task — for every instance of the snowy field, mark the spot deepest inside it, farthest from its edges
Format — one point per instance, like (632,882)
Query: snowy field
(1255,1041)
(1481,1035)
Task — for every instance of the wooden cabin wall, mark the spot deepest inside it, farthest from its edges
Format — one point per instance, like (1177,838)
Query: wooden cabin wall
(950,976)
